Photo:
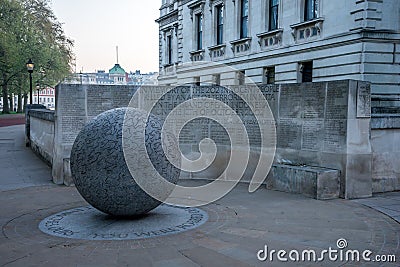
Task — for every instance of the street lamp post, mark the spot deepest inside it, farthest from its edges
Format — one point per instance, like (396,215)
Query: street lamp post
(29,67)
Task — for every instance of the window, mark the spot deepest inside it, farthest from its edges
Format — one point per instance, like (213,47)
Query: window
(169,49)
(269,75)
(217,79)
(244,18)
(220,24)
(196,81)
(241,77)
(199,27)
(273,14)
(306,69)
(310,9)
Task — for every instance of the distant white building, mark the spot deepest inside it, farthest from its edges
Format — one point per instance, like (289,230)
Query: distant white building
(116,76)
(282,41)
(45,97)
(138,78)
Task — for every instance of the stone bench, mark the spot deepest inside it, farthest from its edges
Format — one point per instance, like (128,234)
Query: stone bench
(315,182)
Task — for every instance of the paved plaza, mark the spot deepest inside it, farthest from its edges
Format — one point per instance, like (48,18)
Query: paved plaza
(238,226)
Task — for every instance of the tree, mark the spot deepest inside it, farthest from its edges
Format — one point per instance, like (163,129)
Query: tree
(29,29)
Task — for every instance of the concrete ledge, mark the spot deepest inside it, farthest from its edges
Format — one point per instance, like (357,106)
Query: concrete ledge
(315,182)
(43,114)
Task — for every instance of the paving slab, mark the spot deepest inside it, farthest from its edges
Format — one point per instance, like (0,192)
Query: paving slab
(386,203)
(239,225)
(19,166)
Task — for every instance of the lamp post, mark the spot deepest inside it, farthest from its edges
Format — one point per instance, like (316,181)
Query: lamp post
(29,67)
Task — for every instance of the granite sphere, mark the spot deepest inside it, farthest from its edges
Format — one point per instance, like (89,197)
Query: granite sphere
(99,169)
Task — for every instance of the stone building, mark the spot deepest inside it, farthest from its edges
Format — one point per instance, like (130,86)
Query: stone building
(282,41)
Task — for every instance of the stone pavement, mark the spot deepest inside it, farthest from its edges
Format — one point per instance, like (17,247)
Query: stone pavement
(387,203)
(19,167)
(239,225)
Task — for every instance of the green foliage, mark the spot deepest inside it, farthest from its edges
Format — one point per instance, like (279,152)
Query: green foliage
(29,29)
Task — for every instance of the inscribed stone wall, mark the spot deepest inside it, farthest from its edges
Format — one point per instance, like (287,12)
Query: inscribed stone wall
(75,106)
(318,124)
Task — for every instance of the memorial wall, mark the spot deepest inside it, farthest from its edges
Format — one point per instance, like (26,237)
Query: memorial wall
(317,124)
(75,106)
(326,125)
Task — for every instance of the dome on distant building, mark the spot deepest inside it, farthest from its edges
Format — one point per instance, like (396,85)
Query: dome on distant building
(117,69)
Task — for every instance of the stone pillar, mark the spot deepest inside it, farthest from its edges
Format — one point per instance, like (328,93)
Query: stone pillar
(358,170)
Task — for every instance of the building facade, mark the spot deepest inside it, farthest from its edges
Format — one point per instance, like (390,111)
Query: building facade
(281,41)
(45,97)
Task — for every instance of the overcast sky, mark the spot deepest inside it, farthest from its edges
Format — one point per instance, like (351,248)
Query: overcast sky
(98,26)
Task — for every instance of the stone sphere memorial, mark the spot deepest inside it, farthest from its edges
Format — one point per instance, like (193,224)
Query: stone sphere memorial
(99,168)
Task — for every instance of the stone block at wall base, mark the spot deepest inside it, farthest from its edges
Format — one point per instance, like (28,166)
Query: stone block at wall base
(314,182)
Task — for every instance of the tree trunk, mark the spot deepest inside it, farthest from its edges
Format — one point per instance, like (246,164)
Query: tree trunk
(20,107)
(6,107)
(11,102)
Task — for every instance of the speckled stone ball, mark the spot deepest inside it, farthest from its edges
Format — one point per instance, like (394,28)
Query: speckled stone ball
(100,172)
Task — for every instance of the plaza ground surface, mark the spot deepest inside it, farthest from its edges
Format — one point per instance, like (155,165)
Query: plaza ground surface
(239,225)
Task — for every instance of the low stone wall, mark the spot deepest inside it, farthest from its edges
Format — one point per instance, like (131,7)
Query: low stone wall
(385,141)
(41,133)
(27,121)
(323,124)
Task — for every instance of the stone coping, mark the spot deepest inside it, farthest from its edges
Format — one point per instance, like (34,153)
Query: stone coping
(43,114)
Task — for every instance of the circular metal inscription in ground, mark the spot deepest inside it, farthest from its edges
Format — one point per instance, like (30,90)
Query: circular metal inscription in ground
(90,224)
